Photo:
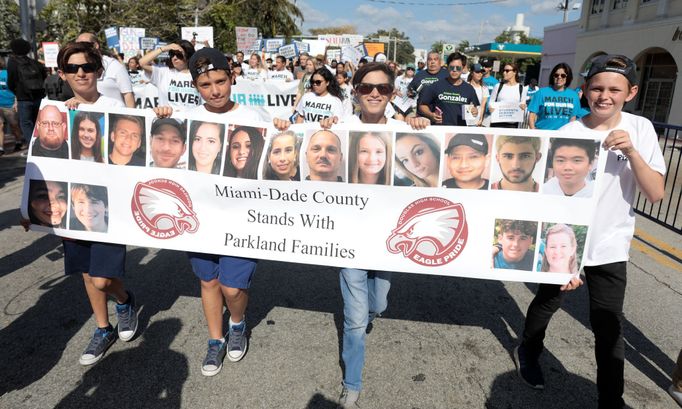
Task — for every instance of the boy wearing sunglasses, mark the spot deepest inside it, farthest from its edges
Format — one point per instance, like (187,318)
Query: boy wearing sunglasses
(449,95)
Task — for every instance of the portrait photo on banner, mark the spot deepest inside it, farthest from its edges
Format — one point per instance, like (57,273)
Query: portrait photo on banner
(417,159)
(50,135)
(514,244)
(466,161)
(206,141)
(243,151)
(89,208)
(126,139)
(48,203)
(571,167)
(370,157)
(87,143)
(323,156)
(168,144)
(282,159)
(561,248)
(518,163)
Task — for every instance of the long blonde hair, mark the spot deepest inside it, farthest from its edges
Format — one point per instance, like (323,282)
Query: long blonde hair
(573,260)
(354,152)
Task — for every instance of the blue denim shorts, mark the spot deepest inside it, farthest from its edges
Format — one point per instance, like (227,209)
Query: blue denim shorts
(233,272)
(104,260)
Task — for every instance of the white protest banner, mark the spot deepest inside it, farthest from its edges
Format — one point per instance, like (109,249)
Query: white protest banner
(200,35)
(148,43)
(274,99)
(50,52)
(316,47)
(507,112)
(278,213)
(111,33)
(352,54)
(272,45)
(246,37)
(146,95)
(288,51)
(335,40)
(129,39)
(302,46)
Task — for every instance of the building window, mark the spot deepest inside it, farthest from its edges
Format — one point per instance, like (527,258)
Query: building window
(620,4)
(597,6)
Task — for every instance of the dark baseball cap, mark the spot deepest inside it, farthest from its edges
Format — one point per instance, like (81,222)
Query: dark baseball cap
(486,62)
(477,68)
(611,63)
(475,141)
(217,61)
(410,67)
(175,123)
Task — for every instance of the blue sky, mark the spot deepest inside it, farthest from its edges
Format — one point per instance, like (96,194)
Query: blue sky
(428,24)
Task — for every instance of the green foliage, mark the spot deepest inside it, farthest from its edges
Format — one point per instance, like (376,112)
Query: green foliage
(345,29)
(462,45)
(438,46)
(506,37)
(9,22)
(405,49)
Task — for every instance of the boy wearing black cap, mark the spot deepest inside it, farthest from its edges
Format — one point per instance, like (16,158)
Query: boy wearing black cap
(467,156)
(633,160)
(224,280)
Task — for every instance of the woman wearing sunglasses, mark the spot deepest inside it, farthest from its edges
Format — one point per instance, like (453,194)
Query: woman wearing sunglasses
(554,106)
(508,92)
(325,100)
(174,81)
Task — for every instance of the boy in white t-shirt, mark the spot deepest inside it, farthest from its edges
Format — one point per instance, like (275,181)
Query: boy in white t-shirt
(633,160)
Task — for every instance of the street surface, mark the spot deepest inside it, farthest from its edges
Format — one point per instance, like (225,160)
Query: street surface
(443,342)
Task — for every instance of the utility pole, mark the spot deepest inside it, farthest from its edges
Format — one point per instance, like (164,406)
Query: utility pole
(26,26)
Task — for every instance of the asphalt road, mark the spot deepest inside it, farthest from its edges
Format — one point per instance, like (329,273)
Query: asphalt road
(443,343)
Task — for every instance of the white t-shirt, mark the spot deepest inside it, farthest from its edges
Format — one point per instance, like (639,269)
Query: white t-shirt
(313,108)
(355,119)
(114,80)
(105,102)
(175,88)
(240,113)
(284,75)
(552,187)
(614,219)
(508,94)
(255,74)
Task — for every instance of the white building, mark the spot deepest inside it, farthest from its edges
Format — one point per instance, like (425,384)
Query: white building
(648,31)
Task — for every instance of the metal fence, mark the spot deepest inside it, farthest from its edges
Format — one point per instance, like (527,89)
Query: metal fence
(667,211)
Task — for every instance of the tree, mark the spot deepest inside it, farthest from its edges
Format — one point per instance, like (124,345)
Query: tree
(345,29)
(507,37)
(405,49)
(438,46)
(9,22)
(464,44)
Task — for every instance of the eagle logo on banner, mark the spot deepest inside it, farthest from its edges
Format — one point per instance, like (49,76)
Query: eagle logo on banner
(431,231)
(163,209)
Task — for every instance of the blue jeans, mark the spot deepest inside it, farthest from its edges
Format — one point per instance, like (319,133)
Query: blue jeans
(28,112)
(364,297)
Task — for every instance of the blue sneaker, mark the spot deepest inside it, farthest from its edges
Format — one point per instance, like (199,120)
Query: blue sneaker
(100,342)
(127,318)
(237,342)
(213,362)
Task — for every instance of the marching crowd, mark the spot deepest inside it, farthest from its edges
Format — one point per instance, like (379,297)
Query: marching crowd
(377,91)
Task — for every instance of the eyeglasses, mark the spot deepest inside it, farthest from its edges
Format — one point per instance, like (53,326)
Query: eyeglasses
(457,68)
(177,54)
(558,75)
(366,89)
(316,83)
(87,68)
(47,124)
(508,70)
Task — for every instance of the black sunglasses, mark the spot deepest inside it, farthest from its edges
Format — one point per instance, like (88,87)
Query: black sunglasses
(558,75)
(316,83)
(179,55)
(366,89)
(87,68)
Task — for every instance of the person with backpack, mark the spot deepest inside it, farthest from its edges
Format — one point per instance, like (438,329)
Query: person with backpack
(507,93)
(25,78)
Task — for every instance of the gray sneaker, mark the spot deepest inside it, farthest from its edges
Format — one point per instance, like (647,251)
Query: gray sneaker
(127,318)
(100,342)
(349,398)
(213,362)
(237,342)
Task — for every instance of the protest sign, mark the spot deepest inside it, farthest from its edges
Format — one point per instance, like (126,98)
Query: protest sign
(274,99)
(272,45)
(468,116)
(506,112)
(352,54)
(316,47)
(148,43)
(50,52)
(246,38)
(111,33)
(333,54)
(302,46)
(200,35)
(129,39)
(280,214)
(335,40)
(288,51)
(374,48)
